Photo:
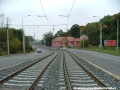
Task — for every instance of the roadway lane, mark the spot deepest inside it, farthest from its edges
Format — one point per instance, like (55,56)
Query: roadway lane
(108,62)
(15,59)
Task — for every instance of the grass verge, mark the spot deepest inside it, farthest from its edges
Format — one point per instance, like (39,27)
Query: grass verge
(107,50)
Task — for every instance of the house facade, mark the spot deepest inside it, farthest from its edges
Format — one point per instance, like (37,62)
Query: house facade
(77,42)
(65,42)
(57,41)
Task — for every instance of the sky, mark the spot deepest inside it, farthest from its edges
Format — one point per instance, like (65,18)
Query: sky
(81,14)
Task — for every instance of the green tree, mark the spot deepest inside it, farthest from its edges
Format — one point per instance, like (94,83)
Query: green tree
(15,45)
(42,42)
(18,33)
(15,40)
(75,31)
(3,43)
(27,44)
(92,31)
(47,37)
(60,33)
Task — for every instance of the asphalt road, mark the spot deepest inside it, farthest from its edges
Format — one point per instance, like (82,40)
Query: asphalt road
(108,62)
(6,61)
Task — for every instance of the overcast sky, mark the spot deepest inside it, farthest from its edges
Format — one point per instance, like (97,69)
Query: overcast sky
(81,14)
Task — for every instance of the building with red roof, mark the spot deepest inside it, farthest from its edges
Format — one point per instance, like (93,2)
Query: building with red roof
(57,41)
(77,42)
(65,42)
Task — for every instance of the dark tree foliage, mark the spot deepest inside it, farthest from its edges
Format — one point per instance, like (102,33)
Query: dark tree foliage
(3,42)
(68,33)
(27,44)
(18,33)
(47,38)
(60,33)
(75,31)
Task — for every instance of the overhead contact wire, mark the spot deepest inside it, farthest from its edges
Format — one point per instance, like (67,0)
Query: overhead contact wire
(44,12)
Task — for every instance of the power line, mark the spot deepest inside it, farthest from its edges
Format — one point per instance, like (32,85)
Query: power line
(71,8)
(44,12)
(70,13)
(37,25)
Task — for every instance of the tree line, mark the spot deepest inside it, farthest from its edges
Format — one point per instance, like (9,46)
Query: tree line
(92,30)
(109,29)
(15,41)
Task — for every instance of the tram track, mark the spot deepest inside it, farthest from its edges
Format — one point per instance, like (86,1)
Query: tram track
(75,76)
(18,71)
(27,77)
(59,71)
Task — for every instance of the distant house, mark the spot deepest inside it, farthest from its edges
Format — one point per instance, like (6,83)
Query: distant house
(57,42)
(65,42)
(70,41)
(77,42)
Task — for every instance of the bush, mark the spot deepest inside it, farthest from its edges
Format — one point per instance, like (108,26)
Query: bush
(109,48)
(2,52)
(86,43)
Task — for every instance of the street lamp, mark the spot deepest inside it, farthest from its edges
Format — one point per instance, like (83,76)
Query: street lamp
(100,33)
(41,16)
(24,34)
(34,35)
(63,16)
(67,19)
(8,49)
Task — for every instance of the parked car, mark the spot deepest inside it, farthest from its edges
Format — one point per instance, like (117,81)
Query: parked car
(64,48)
(39,50)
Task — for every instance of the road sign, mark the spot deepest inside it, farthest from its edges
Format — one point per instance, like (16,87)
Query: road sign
(109,42)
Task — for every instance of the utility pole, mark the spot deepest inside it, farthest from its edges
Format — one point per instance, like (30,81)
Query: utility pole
(24,49)
(100,33)
(80,39)
(117,34)
(8,51)
(100,36)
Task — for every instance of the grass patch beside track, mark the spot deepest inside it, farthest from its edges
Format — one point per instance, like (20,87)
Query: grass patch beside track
(107,50)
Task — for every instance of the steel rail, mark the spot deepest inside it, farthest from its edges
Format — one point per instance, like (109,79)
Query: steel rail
(67,79)
(96,79)
(17,72)
(40,75)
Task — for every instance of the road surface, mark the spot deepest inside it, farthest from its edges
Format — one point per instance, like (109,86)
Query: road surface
(7,61)
(108,62)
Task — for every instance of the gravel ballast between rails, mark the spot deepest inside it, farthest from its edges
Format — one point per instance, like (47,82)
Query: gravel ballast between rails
(52,77)
(6,72)
(115,83)
(36,69)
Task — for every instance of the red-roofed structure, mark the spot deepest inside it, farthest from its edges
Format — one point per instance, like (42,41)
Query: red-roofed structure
(58,39)
(77,42)
(65,42)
